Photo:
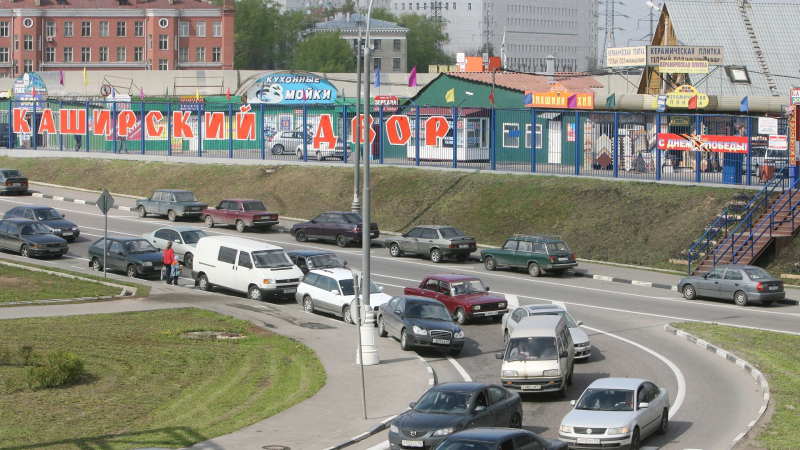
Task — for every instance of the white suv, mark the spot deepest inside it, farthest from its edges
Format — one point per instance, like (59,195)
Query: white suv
(332,291)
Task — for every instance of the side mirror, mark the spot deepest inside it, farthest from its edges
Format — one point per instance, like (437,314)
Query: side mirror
(705,275)
(487,287)
(579,323)
(498,355)
(380,288)
(64,215)
(572,403)
(643,405)
(344,263)
(121,253)
(412,405)
(335,291)
(177,241)
(563,354)
(480,409)
(313,221)
(402,235)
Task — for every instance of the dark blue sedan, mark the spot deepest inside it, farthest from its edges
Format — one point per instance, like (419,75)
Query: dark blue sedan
(48,216)
(30,238)
(498,439)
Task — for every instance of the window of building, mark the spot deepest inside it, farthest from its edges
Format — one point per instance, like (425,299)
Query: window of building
(511,135)
(183,54)
(201,29)
(121,54)
(469,6)
(3,29)
(216,29)
(103,54)
(163,64)
(67,29)
(216,54)
(397,45)
(163,42)
(138,54)
(86,54)
(183,29)
(138,29)
(121,29)
(86,29)
(50,54)
(67,54)
(27,43)
(27,66)
(103,29)
(3,54)
(376,63)
(396,64)
(376,45)
(200,54)
(50,29)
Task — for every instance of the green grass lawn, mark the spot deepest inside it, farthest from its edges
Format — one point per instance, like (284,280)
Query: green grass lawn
(146,386)
(777,356)
(25,285)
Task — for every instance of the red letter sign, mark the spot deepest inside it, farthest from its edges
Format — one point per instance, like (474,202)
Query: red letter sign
(125,122)
(358,131)
(435,128)
(102,122)
(21,124)
(153,129)
(398,130)
(215,125)
(73,121)
(181,129)
(47,124)
(324,133)
(245,124)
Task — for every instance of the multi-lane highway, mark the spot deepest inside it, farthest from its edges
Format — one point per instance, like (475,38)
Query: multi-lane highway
(712,400)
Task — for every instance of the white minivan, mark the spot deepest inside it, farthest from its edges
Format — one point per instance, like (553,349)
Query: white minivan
(244,265)
(539,357)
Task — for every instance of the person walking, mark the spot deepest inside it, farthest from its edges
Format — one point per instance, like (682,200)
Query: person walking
(169,258)
(176,272)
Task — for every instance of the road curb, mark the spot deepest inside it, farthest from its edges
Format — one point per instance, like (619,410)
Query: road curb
(755,373)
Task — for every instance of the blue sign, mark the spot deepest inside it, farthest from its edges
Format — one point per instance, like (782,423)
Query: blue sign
(290,89)
(28,101)
(27,83)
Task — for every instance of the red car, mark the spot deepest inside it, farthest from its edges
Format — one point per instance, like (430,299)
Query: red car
(241,212)
(464,296)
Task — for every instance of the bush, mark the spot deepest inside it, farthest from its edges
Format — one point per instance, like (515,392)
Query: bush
(59,368)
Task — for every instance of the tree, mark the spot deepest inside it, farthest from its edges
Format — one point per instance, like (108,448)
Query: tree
(324,52)
(424,41)
(383,14)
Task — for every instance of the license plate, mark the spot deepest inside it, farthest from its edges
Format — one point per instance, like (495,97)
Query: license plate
(67,233)
(588,440)
(289,291)
(16,184)
(530,387)
(773,288)
(54,250)
(492,313)
(441,341)
(563,259)
(406,443)
(464,246)
(376,235)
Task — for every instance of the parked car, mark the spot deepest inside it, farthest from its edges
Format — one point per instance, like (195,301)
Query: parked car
(339,226)
(171,203)
(436,241)
(244,265)
(420,322)
(241,213)
(308,260)
(184,241)
(536,253)
(741,283)
(30,238)
(13,182)
(498,439)
(132,255)
(49,217)
(616,412)
(451,407)
(465,297)
(322,154)
(285,142)
(583,346)
(333,291)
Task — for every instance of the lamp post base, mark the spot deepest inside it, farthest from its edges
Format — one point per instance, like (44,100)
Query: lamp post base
(356,206)
(369,346)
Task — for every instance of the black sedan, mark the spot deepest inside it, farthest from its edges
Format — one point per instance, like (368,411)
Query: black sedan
(451,407)
(498,439)
(308,260)
(339,226)
(420,322)
(13,182)
(49,217)
(134,256)
(30,238)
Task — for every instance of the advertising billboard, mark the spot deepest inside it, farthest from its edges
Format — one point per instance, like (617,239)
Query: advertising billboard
(626,56)
(291,89)
(657,53)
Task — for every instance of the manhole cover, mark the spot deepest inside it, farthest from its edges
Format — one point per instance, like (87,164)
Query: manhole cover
(276,447)
(213,335)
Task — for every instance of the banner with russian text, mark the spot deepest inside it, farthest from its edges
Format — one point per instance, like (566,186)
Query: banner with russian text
(703,143)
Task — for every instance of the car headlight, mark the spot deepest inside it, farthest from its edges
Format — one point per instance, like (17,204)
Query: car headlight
(476,307)
(566,429)
(459,335)
(147,263)
(510,373)
(583,344)
(444,431)
(621,430)
(302,277)
(268,281)
(420,331)
(394,429)
(501,305)
(550,373)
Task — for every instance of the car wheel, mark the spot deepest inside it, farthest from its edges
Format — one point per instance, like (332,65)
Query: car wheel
(562,393)
(461,258)
(300,236)
(689,293)
(436,256)
(404,340)
(740,298)
(254,293)
(23,251)
(571,373)
(188,260)
(277,149)
(394,250)
(461,316)
(348,318)
(131,271)
(489,264)
(171,215)
(203,283)
(341,241)
(299,153)
(636,441)
(505,337)
(320,157)
(515,422)
(308,304)
(209,221)
(382,328)
(766,302)
(664,426)
(96,266)
(534,270)
(240,226)
(142,212)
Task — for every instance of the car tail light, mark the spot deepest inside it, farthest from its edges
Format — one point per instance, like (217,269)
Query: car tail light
(357,229)
(6,184)
(573,256)
(453,245)
(760,286)
(552,259)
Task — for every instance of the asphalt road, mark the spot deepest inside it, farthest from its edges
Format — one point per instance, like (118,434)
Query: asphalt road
(712,400)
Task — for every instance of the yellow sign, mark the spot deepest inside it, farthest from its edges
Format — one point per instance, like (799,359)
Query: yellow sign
(679,121)
(433,68)
(665,66)
(558,96)
(679,98)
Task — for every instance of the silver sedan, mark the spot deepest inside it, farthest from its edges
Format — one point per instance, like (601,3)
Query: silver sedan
(583,346)
(184,241)
(616,412)
(740,283)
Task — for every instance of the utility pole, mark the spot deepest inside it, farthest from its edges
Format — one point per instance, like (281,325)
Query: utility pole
(356,206)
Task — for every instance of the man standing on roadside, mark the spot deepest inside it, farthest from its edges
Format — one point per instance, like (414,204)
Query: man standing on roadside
(169,258)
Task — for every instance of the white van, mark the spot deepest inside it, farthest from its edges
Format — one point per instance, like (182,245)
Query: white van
(244,265)
(539,357)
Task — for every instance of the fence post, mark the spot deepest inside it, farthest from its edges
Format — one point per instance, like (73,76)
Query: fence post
(749,155)
(615,146)
(416,125)
(33,124)
(88,149)
(230,130)
(200,130)
(577,142)
(11,123)
(344,133)
(455,136)
(698,129)
(658,152)
(533,140)
(114,124)
(492,145)
(261,130)
(305,135)
(380,135)
(141,122)
(60,136)
(169,128)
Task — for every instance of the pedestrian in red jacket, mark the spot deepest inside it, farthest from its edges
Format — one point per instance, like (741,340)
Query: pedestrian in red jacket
(169,257)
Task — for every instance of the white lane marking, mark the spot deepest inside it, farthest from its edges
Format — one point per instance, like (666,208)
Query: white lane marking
(115,232)
(460,369)
(382,446)
(674,407)
(81,268)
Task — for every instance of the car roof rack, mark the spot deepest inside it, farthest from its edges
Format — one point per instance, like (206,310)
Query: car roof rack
(551,237)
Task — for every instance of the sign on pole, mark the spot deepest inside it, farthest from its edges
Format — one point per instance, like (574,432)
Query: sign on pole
(777,142)
(668,66)
(105,202)
(794,96)
(626,56)
(767,125)
(656,53)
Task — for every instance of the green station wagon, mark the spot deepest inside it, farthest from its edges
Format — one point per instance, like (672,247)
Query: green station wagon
(536,253)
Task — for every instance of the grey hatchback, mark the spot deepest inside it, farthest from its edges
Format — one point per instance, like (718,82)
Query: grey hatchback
(741,283)
(436,241)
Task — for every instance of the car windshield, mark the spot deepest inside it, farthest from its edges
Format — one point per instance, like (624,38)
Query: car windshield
(347,287)
(429,311)
(191,237)
(47,214)
(567,318)
(271,259)
(352,218)
(531,349)
(11,174)
(606,400)
(557,247)
(468,287)
(34,228)
(140,246)
(325,261)
(254,206)
(442,402)
(450,232)
(185,197)
(757,273)
(466,445)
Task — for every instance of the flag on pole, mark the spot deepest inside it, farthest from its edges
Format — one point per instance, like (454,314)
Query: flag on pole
(9,92)
(166,91)
(378,77)
(527,99)
(693,102)
(228,94)
(491,97)
(572,101)
(450,96)
(503,49)
(61,77)
(611,101)
(412,78)
(34,92)
(113,93)
(85,78)
(744,106)
(197,94)
(141,93)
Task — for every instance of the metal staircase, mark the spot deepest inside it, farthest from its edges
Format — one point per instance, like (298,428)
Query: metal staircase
(762,62)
